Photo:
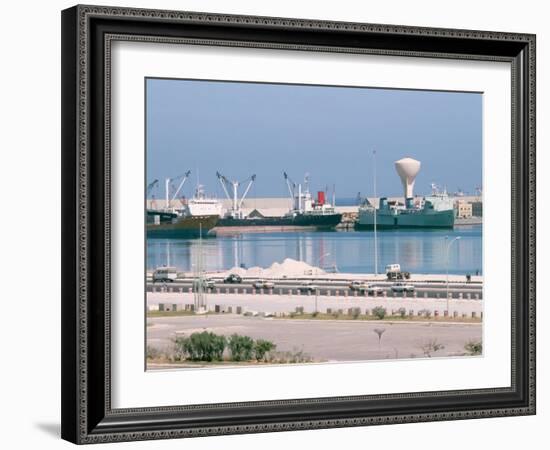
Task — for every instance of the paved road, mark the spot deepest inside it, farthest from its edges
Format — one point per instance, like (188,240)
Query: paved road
(428,290)
(324,340)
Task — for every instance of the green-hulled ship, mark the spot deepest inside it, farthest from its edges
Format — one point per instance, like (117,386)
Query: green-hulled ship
(434,211)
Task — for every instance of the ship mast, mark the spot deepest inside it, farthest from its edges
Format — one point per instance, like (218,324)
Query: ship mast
(227,185)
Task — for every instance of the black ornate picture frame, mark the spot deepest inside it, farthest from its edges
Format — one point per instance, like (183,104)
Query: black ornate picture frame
(87,34)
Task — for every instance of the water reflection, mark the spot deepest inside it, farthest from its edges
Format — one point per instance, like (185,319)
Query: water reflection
(416,251)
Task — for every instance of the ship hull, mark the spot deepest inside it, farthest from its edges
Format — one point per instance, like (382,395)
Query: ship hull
(435,219)
(326,221)
(183,227)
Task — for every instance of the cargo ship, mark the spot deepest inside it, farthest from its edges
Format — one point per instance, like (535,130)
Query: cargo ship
(306,212)
(433,211)
(196,217)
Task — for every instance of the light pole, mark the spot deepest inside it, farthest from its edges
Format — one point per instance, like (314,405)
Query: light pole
(375,212)
(447,265)
(316,290)
(321,257)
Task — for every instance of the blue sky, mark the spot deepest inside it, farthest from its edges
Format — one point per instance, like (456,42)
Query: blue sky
(330,132)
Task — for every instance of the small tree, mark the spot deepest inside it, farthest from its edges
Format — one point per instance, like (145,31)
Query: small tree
(262,347)
(241,347)
(379,312)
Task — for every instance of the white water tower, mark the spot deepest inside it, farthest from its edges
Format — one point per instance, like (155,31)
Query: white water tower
(407,169)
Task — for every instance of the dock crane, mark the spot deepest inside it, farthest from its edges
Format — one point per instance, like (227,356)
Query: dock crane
(150,187)
(299,199)
(167,185)
(230,185)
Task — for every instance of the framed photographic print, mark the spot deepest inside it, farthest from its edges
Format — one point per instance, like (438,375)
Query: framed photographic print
(279,224)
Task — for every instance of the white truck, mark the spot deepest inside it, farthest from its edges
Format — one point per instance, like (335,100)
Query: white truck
(165,274)
(393,272)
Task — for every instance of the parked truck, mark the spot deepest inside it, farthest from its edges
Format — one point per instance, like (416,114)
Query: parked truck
(394,272)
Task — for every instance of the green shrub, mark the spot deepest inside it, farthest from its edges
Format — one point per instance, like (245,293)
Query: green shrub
(203,346)
(241,347)
(402,312)
(379,312)
(262,347)
(425,312)
(474,348)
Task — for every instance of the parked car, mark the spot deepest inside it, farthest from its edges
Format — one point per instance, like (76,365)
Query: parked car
(402,287)
(363,287)
(356,285)
(307,286)
(264,284)
(207,283)
(233,278)
(373,289)
(165,274)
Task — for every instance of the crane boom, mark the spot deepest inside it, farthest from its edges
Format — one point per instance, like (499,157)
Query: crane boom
(185,177)
(252,178)
(290,184)
(150,186)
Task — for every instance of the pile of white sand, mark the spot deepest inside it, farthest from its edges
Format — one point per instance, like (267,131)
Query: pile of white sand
(288,268)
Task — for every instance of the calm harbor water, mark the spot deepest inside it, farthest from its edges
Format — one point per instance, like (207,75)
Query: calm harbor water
(418,251)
